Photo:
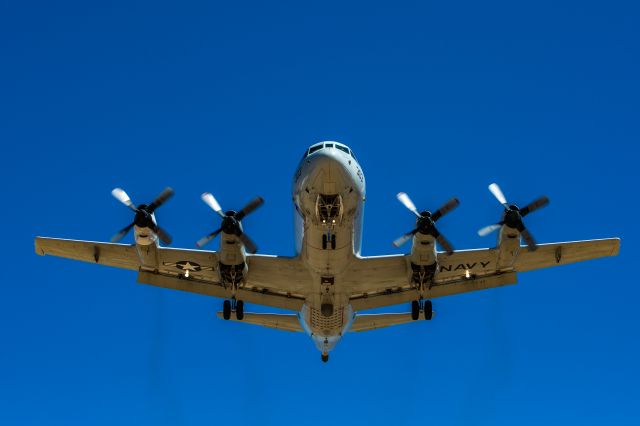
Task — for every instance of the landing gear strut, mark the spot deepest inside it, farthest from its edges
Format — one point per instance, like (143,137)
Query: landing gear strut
(234,305)
(421,305)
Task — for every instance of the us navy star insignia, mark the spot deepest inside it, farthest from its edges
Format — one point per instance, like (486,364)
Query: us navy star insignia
(186,265)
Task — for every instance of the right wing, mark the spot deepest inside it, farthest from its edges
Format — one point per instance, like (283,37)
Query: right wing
(374,282)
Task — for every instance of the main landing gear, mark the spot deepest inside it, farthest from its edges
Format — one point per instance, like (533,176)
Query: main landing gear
(421,305)
(233,305)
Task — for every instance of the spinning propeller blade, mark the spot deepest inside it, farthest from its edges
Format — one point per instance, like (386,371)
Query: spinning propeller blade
(497,192)
(144,214)
(124,231)
(512,216)
(231,222)
(250,207)
(425,223)
(489,229)
(122,196)
(406,201)
(208,198)
(204,240)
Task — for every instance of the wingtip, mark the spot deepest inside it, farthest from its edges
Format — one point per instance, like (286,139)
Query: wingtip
(616,246)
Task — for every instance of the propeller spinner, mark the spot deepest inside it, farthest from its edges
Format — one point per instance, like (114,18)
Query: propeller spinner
(425,222)
(231,221)
(144,214)
(512,216)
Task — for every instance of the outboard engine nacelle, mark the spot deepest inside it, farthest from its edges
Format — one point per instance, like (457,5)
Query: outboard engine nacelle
(146,229)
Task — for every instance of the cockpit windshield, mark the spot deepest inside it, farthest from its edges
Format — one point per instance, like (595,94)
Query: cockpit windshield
(318,147)
(343,148)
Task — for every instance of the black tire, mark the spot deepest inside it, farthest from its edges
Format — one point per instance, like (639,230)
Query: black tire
(428,310)
(333,242)
(240,310)
(226,309)
(324,241)
(324,357)
(415,310)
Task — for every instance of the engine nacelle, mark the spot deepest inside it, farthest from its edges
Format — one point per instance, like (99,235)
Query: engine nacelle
(232,260)
(508,246)
(144,236)
(423,259)
(423,250)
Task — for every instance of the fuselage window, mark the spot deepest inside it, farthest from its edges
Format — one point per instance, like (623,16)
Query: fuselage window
(343,148)
(315,148)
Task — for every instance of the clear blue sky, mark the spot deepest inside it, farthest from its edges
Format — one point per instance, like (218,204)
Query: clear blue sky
(436,98)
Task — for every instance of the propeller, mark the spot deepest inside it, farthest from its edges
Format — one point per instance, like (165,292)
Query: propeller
(425,223)
(512,216)
(231,221)
(144,214)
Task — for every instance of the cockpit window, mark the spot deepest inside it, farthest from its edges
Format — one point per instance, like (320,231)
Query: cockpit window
(315,148)
(342,148)
(328,145)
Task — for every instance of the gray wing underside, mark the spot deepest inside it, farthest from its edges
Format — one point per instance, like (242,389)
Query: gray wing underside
(284,282)
(375,282)
(274,281)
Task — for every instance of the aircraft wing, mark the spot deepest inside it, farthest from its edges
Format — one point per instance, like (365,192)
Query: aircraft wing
(273,281)
(374,282)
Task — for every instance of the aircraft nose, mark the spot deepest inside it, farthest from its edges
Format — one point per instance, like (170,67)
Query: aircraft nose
(328,163)
(329,171)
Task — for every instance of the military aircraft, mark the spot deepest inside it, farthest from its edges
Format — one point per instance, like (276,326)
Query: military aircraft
(327,284)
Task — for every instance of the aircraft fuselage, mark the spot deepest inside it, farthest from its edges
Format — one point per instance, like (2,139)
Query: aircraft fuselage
(329,195)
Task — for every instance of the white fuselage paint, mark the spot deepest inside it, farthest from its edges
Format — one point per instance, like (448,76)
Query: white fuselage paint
(331,174)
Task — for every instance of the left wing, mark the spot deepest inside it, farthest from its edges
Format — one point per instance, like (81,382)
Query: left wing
(272,280)
(374,282)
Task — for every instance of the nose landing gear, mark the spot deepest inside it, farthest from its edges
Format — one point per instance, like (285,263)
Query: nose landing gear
(328,239)
(324,357)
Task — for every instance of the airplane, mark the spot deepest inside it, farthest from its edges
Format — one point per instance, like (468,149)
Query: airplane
(327,283)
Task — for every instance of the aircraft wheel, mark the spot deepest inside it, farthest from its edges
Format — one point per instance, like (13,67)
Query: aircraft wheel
(324,357)
(226,309)
(240,310)
(324,241)
(415,310)
(428,310)
(333,242)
